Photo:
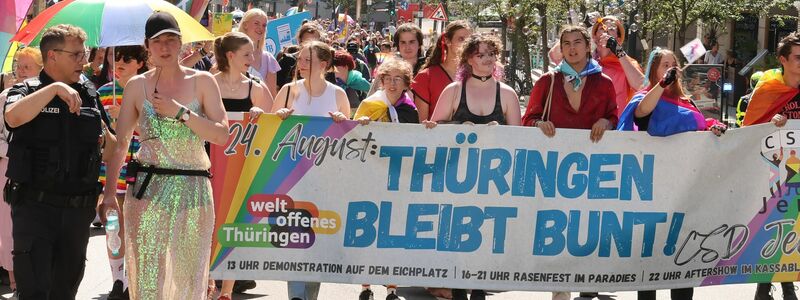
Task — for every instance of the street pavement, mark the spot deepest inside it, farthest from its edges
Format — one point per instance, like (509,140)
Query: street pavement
(97,283)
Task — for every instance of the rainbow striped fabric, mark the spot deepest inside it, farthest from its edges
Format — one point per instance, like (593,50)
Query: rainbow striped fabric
(111,94)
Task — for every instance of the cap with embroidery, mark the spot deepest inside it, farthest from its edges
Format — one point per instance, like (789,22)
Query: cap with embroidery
(160,23)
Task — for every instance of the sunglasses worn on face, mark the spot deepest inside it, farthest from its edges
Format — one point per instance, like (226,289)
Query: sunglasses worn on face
(125,58)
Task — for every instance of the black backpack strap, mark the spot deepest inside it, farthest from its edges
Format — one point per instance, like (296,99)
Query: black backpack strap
(104,116)
(288,91)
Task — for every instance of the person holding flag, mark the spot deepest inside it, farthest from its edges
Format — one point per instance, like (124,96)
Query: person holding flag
(776,99)
(662,109)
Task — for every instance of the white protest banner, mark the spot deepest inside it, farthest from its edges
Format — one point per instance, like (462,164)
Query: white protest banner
(502,207)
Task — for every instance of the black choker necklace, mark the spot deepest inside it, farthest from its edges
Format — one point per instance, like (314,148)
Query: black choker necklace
(482,78)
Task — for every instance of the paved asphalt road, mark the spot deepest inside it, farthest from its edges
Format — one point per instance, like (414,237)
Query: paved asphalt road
(97,283)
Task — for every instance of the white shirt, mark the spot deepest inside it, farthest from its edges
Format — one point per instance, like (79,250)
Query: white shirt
(711,59)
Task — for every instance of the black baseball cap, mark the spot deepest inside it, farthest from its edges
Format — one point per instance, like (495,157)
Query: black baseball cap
(352,47)
(159,23)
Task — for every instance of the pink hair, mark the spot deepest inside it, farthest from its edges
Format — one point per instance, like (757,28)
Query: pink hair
(464,72)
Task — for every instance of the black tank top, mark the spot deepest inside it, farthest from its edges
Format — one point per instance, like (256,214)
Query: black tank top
(240,105)
(463,114)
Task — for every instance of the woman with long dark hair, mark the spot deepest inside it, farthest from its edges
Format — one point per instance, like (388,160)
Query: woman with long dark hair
(440,69)
(576,95)
(408,42)
(129,61)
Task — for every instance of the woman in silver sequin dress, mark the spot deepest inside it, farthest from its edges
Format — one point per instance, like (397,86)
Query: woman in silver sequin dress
(169,217)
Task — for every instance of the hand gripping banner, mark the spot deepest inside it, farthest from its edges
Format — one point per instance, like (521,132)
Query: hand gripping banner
(504,208)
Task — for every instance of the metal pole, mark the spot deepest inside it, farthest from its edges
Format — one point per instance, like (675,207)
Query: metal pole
(358,10)
(421,13)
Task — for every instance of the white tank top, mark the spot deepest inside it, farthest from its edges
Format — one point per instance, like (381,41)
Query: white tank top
(306,105)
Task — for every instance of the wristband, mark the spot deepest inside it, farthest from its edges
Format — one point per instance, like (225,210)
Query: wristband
(203,52)
(180,113)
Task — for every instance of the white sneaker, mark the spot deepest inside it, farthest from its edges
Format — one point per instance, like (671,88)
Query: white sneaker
(562,296)
(96,222)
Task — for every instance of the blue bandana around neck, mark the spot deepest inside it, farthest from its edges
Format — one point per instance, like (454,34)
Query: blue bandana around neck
(592,67)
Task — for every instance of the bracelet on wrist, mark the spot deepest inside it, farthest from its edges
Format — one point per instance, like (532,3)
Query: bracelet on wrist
(181,111)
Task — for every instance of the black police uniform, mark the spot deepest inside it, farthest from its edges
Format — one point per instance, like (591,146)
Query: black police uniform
(54,163)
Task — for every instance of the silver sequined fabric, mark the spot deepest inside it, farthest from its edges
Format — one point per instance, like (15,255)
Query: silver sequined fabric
(168,231)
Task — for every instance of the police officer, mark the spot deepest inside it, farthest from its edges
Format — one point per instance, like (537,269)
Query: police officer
(54,161)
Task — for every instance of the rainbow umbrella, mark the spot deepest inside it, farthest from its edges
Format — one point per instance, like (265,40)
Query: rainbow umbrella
(110,22)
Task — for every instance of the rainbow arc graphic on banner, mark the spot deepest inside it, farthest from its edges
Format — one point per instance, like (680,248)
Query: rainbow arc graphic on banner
(256,174)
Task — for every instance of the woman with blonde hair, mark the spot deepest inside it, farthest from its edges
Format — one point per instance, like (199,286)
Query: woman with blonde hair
(27,63)
(240,93)
(254,25)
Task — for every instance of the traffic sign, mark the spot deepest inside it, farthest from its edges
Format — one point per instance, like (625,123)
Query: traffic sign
(439,14)
(713,74)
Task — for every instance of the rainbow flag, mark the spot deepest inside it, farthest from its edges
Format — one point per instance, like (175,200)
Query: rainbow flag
(769,98)
(751,253)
